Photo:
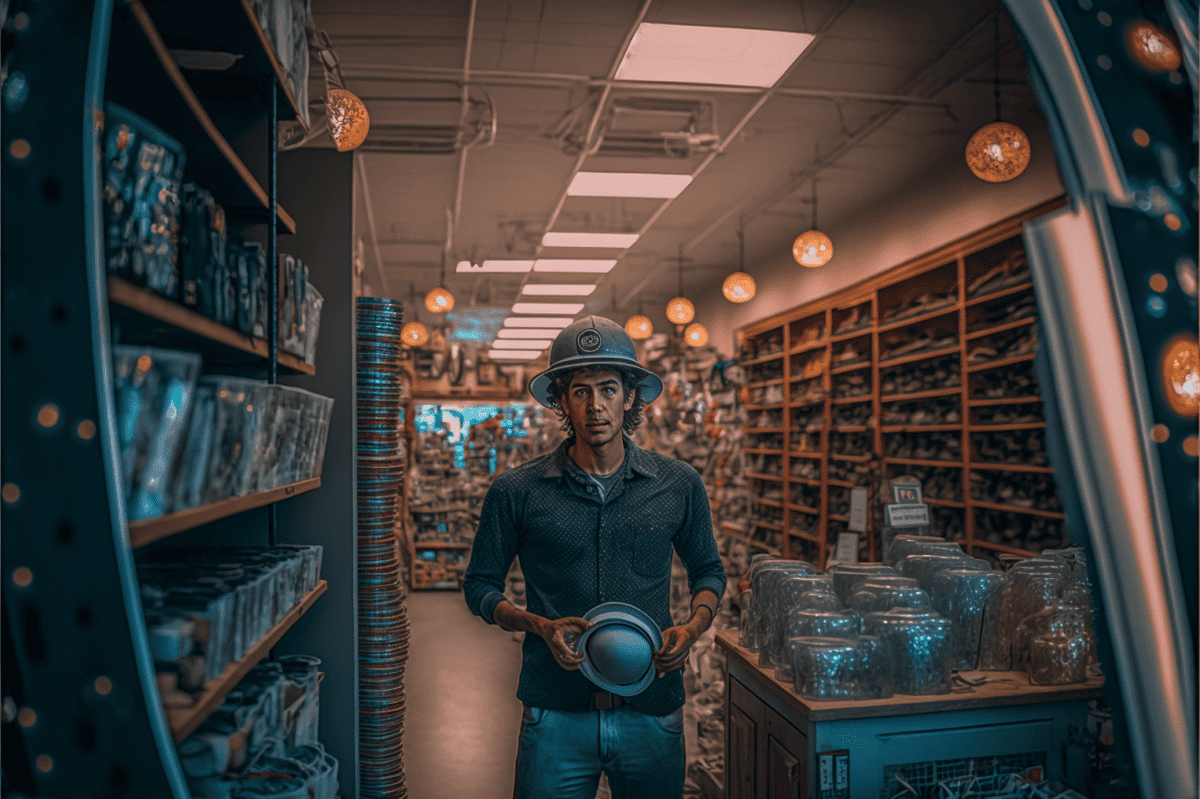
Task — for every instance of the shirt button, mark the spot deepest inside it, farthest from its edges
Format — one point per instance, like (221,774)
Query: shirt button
(591,490)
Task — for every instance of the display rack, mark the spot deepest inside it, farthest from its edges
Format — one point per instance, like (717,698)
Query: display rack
(77,657)
(816,392)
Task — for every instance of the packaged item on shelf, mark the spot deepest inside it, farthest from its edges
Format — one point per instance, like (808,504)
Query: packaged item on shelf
(142,195)
(290,441)
(241,271)
(154,390)
(258,281)
(203,254)
(293,287)
(311,323)
(234,431)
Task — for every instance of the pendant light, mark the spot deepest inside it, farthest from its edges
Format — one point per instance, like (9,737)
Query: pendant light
(414,334)
(999,151)
(346,117)
(1151,47)
(812,248)
(696,335)
(440,300)
(680,310)
(740,287)
(638,327)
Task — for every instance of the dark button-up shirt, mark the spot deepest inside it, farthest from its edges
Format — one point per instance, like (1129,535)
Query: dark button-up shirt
(577,551)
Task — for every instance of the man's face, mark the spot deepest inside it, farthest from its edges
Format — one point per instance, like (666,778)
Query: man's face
(596,404)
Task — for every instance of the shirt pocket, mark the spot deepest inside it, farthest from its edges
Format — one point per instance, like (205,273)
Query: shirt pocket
(652,552)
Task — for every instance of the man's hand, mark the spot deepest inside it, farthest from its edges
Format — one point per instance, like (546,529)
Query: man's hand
(676,643)
(560,635)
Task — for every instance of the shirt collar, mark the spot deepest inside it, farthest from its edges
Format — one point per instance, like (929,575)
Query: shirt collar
(636,459)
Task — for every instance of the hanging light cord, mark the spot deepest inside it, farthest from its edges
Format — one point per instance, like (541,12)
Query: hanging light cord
(814,205)
(996,71)
(742,244)
(680,270)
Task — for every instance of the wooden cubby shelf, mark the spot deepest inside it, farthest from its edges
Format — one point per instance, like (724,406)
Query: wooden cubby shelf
(812,410)
(771,503)
(761,359)
(755,451)
(184,721)
(736,532)
(778,381)
(193,330)
(145,531)
(775,478)
(766,524)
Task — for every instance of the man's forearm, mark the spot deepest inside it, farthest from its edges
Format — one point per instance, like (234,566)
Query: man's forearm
(512,619)
(704,606)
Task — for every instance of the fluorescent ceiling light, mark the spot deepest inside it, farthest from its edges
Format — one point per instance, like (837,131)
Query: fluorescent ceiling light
(556,322)
(628,184)
(703,54)
(495,266)
(558,289)
(547,307)
(613,241)
(525,344)
(514,355)
(519,332)
(592,265)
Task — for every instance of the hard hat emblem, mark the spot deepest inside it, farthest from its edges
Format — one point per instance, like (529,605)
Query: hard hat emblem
(589,340)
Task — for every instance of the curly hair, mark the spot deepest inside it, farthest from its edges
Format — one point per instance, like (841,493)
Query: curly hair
(629,381)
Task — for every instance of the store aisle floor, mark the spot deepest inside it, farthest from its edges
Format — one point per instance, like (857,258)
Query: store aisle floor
(461,725)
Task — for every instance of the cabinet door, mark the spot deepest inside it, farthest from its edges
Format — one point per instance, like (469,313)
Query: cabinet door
(741,752)
(787,759)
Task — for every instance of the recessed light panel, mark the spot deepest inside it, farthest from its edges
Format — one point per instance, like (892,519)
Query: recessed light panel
(524,344)
(590,265)
(532,332)
(611,241)
(558,289)
(495,266)
(627,184)
(555,322)
(514,355)
(702,54)
(547,307)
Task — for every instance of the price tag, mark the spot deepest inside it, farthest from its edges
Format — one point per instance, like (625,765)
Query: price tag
(906,491)
(833,775)
(906,515)
(847,548)
(858,510)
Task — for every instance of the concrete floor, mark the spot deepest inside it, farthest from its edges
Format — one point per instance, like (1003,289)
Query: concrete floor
(461,725)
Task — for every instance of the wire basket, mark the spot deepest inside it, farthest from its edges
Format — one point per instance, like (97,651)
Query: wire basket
(1002,777)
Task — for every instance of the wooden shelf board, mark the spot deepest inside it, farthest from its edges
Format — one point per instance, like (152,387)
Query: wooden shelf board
(804,509)
(920,428)
(280,73)
(840,483)
(778,381)
(761,359)
(920,395)
(771,503)
(851,400)
(919,356)
(808,481)
(184,721)
(999,428)
(756,451)
(804,536)
(850,428)
(1048,514)
(833,517)
(999,547)
(202,118)
(988,331)
(866,330)
(985,401)
(772,406)
(766,524)
(849,458)
(801,453)
(851,367)
(805,403)
(996,295)
(809,347)
(1000,362)
(145,302)
(945,310)
(920,462)
(945,503)
(734,532)
(762,430)
(145,531)
(1010,467)
(775,478)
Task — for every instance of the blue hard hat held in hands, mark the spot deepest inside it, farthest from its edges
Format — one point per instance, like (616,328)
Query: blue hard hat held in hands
(594,341)
(618,649)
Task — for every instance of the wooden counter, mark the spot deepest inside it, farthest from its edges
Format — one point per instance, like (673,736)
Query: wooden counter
(777,743)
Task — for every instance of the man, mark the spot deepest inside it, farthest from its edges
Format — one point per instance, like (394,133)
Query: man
(593,522)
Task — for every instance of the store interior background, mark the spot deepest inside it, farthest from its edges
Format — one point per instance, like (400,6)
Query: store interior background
(891,184)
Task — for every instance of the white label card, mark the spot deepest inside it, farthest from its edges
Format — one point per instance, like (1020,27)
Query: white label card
(858,510)
(916,515)
(847,548)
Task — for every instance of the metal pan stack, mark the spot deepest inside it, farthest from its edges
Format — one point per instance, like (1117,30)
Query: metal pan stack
(382,617)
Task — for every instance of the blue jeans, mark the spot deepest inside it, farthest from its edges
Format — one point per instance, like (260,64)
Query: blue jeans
(561,754)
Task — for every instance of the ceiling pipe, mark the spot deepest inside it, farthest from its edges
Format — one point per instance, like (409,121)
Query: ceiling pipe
(362,178)
(465,147)
(533,80)
(838,151)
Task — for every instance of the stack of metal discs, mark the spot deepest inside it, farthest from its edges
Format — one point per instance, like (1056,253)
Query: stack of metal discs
(382,617)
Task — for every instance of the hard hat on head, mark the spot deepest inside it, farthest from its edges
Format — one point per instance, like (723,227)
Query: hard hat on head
(593,341)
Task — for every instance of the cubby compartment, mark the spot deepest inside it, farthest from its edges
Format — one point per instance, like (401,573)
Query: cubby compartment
(923,446)
(1003,346)
(763,345)
(930,292)
(1011,415)
(1005,383)
(1032,491)
(771,441)
(851,353)
(764,371)
(852,384)
(839,502)
(1022,448)
(805,496)
(935,375)
(997,268)
(918,341)
(936,482)
(771,419)
(857,473)
(1019,532)
(931,411)
(852,445)
(805,468)
(1009,310)
(947,522)
(759,463)
(766,395)
(852,318)
(808,391)
(808,365)
(857,414)
(808,332)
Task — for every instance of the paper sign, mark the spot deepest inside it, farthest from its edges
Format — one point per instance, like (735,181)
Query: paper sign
(833,775)
(907,515)
(847,548)
(906,490)
(858,510)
